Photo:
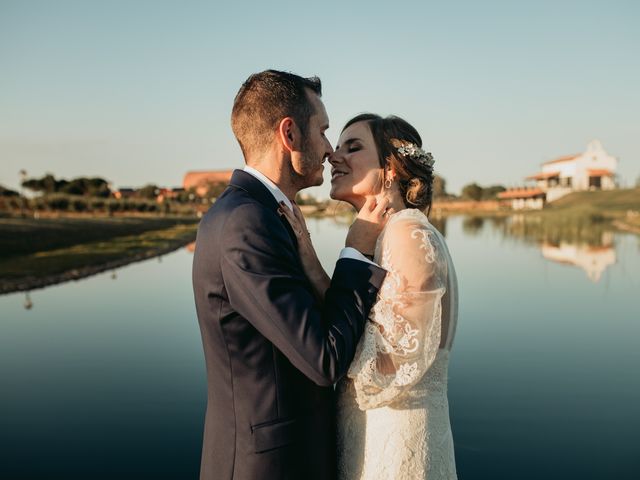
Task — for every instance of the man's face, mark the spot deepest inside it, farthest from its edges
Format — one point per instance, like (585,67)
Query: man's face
(308,165)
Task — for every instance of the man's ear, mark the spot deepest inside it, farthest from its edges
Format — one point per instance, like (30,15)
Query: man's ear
(288,133)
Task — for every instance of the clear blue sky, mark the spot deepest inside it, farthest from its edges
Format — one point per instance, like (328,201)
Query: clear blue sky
(141,91)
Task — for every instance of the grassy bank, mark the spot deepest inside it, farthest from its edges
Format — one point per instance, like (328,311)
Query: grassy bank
(581,217)
(21,236)
(620,200)
(36,253)
(618,209)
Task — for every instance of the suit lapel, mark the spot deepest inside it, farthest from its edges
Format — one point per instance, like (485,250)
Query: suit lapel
(255,188)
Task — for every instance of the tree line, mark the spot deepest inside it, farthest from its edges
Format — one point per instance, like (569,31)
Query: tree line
(87,186)
(94,194)
(99,188)
(472,191)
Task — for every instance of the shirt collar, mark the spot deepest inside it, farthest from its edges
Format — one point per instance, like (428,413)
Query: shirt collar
(272,187)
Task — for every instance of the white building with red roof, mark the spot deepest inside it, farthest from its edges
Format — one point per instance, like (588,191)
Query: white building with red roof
(594,169)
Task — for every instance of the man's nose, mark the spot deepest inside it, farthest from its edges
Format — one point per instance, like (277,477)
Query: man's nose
(329,148)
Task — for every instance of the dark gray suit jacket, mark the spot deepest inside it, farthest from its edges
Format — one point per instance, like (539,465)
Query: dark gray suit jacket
(272,351)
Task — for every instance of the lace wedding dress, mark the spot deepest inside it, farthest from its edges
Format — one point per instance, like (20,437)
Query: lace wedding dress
(393,413)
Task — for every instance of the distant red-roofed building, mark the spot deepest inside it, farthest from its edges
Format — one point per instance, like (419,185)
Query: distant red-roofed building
(201,181)
(524,198)
(594,169)
(124,193)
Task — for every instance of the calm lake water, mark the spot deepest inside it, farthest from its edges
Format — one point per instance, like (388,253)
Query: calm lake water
(104,378)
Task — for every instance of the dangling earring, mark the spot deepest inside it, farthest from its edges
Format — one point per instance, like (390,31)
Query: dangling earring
(387,178)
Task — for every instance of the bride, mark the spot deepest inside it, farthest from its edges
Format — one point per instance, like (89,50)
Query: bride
(392,407)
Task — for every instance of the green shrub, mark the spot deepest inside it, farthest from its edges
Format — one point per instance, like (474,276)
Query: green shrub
(79,205)
(114,206)
(57,202)
(98,203)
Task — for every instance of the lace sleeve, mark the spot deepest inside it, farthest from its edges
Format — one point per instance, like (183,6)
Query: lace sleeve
(403,333)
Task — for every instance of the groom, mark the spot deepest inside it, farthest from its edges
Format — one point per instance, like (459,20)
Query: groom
(273,351)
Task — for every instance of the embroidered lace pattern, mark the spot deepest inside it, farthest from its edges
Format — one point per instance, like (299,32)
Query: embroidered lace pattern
(393,413)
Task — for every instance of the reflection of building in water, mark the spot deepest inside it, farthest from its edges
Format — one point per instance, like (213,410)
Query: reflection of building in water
(592,259)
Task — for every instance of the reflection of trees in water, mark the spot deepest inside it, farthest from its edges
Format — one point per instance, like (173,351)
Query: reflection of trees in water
(537,229)
(472,225)
(440,223)
(584,242)
(497,222)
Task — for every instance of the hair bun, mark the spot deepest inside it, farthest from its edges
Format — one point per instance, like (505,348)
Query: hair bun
(419,192)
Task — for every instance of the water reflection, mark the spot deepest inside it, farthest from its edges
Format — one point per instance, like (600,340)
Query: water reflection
(583,243)
(28,304)
(594,260)
(124,359)
(538,229)
(472,225)
(440,223)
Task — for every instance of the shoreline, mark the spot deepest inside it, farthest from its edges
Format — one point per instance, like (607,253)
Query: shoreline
(30,283)
(132,239)
(44,267)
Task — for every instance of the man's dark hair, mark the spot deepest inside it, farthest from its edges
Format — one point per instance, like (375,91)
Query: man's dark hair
(266,98)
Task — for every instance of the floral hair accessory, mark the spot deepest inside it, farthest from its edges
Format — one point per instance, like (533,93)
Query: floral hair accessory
(415,153)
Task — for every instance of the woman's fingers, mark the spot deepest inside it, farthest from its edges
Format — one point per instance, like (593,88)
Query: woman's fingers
(299,227)
(299,216)
(375,209)
(381,206)
(286,211)
(289,215)
(369,204)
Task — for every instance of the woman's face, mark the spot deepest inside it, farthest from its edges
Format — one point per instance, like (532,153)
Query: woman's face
(355,168)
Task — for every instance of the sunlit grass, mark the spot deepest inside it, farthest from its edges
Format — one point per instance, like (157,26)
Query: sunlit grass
(96,253)
(24,236)
(610,201)
(55,265)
